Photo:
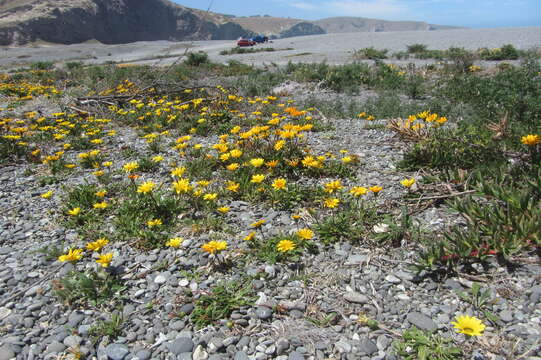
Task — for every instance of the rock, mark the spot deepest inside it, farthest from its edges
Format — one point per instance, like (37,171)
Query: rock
(367,346)
(116,351)
(180,345)
(73,341)
(506,316)
(55,347)
(200,353)
(263,313)
(356,259)
(241,355)
(6,353)
(343,346)
(160,279)
(422,321)
(295,355)
(143,354)
(392,279)
(281,346)
(356,297)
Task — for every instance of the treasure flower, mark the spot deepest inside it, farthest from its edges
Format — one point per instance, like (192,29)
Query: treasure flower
(530,139)
(105,260)
(285,246)
(331,203)
(72,255)
(101,205)
(213,247)
(97,245)
(174,242)
(408,182)
(469,325)
(305,234)
(279,184)
(75,211)
(131,166)
(47,195)
(146,187)
(257,178)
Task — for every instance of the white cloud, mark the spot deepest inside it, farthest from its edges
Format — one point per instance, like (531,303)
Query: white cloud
(367,8)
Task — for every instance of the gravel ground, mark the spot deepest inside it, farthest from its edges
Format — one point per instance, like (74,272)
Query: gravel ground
(308,313)
(332,48)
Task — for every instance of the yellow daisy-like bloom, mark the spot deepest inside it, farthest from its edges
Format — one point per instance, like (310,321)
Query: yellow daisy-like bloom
(182,186)
(131,166)
(375,189)
(279,145)
(285,246)
(214,246)
(210,197)
(305,234)
(233,166)
(236,153)
(347,159)
(279,184)
(469,325)
(408,182)
(178,171)
(157,158)
(75,211)
(333,186)
(72,255)
(98,173)
(174,242)
(257,178)
(258,223)
(105,259)
(146,187)
(272,164)
(101,193)
(257,162)
(358,191)
(530,139)
(250,236)
(47,195)
(100,205)
(107,163)
(97,245)
(332,202)
(223,209)
(232,186)
(154,223)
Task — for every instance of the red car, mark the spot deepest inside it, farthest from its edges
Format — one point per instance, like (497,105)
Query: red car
(245,42)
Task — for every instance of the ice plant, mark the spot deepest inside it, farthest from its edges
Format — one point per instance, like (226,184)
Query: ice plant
(285,246)
(531,139)
(105,260)
(72,255)
(469,325)
(174,242)
(407,182)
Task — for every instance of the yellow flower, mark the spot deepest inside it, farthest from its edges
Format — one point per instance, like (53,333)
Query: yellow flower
(279,145)
(232,167)
(257,178)
(332,202)
(210,197)
(530,139)
(178,171)
(375,189)
(101,193)
(131,166)
(107,163)
(257,162)
(146,187)
(232,186)
(214,246)
(98,173)
(47,195)
(408,182)
(236,153)
(100,205)
(72,255)
(174,242)
(285,246)
(347,159)
(258,223)
(272,164)
(469,325)
(157,158)
(250,236)
(223,209)
(97,245)
(279,184)
(75,211)
(105,260)
(333,186)
(358,191)
(154,223)
(305,234)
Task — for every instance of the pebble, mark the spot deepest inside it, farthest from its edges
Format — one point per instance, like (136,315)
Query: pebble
(117,351)
(356,297)
(180,345)
(421,321)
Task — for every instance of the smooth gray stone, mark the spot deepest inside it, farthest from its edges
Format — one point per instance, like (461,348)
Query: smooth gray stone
(422,321)
(116,351)
(181,345)
(294,355)
(143,354)
(356,297)
(367,346)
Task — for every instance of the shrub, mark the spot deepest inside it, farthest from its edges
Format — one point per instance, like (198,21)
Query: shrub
(416,48)
(197,59)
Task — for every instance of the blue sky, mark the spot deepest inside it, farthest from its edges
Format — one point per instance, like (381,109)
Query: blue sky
(470,13)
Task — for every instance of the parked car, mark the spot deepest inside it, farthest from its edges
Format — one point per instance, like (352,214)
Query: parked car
(260,39)
(245,42)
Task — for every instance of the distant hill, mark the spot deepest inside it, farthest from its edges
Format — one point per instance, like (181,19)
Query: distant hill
(124,21)
(109,21)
